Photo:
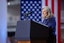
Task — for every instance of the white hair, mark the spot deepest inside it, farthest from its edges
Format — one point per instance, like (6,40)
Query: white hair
(48,10)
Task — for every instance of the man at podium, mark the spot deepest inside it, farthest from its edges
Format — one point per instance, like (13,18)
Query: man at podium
(49,20)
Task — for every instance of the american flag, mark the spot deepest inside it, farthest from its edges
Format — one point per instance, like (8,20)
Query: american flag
(35,6)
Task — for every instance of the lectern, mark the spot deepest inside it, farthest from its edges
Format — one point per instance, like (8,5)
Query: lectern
(31,32)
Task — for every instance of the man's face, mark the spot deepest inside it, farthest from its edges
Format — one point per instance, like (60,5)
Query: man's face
(44,13)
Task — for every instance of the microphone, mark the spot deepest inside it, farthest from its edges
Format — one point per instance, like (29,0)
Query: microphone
(26,14)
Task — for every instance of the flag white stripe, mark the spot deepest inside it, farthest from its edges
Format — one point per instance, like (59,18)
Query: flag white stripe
(49,3)
(56,15)
(43,3)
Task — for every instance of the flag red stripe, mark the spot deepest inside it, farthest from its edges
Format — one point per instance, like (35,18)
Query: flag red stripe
(59,12)
(52,5)
(46,2)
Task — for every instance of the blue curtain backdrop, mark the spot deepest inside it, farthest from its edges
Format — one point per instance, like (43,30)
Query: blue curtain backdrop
(31,9)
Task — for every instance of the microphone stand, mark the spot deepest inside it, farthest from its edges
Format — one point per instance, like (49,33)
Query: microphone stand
(26,15)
